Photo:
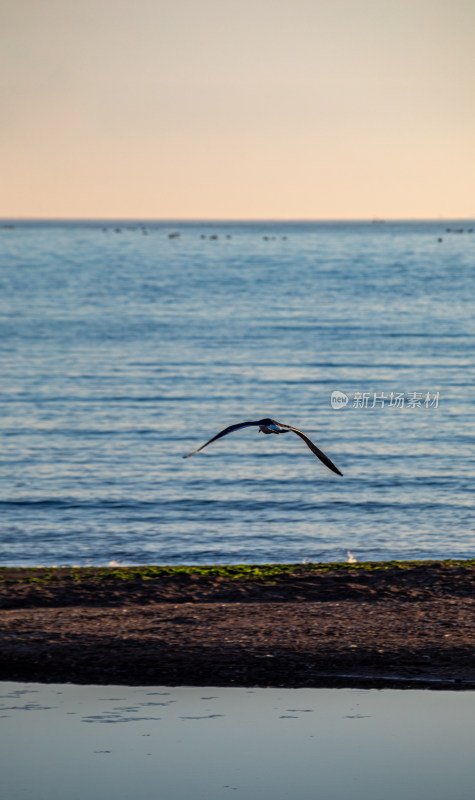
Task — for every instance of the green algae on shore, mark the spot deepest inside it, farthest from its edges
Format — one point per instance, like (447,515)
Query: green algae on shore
(237,572)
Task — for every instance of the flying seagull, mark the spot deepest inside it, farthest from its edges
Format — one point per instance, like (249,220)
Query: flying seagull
(268,425)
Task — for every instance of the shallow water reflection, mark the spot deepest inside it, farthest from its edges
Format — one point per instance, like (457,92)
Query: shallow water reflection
(63,742)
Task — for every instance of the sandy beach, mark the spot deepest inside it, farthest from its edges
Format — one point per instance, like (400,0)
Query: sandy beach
(383,624)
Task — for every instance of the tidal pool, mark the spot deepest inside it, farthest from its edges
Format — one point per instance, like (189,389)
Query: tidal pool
(69,742)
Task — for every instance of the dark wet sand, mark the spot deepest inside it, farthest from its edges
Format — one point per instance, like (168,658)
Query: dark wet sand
(411,626)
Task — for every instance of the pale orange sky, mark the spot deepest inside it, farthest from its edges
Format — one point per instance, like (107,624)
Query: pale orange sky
(207,109)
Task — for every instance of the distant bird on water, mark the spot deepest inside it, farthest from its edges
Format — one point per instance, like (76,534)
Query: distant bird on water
(268,425)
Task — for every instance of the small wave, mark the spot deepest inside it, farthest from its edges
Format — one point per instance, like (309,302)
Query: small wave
(186,505)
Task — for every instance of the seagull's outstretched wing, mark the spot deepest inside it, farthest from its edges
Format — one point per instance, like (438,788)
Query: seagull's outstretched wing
(230,429)
(313,447)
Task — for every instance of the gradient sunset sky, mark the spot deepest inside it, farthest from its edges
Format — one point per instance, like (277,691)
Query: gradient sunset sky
(215,109)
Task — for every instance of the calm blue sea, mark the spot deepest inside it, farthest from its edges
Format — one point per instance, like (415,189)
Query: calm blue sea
(123,348)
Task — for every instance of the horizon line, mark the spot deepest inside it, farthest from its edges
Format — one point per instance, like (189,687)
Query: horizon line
(215,220)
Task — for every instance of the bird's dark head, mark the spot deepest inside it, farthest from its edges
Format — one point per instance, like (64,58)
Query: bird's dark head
(263,423)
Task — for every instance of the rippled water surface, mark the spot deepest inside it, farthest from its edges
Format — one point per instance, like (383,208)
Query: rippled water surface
(122,348)
(96,742)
